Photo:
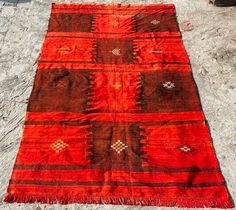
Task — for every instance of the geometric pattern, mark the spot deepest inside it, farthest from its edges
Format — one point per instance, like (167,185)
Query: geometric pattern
(114,144)
(155,22)
(185,149)
(114,51)
(118,146)
(107,92)
(162,50)
(59,145)
(113,23)
(114,115)
(68,49)
(171,145)
(168,85)
(166,92)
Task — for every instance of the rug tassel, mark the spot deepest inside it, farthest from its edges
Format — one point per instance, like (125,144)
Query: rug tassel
(153,201)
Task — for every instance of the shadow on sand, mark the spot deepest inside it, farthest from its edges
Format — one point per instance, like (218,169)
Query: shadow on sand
(14,2)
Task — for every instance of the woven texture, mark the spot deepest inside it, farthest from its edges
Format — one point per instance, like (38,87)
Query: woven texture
(114,115)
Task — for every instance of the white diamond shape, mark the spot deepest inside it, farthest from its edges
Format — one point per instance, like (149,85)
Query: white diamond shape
(155,22)
(58,145)
(119,146)
(168,85)
(185,148)
(116,51)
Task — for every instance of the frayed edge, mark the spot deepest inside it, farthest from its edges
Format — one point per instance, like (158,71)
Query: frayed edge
(150,201)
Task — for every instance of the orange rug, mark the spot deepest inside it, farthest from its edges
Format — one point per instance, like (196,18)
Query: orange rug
(114,116)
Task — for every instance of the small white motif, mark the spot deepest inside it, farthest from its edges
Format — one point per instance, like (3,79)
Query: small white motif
(116,52)
(155,22)
(119,146)
(168,85)
(156,51)
(185,148)
(58,145)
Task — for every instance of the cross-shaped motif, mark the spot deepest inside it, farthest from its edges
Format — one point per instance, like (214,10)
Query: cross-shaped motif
(117,85)
(168,85)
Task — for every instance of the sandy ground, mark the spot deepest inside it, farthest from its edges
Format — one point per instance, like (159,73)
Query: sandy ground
(211,47)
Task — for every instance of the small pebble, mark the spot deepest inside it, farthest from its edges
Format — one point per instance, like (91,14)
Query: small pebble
(186,25)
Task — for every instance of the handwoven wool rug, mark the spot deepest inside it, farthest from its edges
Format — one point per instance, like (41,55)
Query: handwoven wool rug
(114,116)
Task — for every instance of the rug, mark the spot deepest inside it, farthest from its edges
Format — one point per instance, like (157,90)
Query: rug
(114,116)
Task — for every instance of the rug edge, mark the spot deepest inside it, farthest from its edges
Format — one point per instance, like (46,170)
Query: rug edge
(161,5)
(114,200)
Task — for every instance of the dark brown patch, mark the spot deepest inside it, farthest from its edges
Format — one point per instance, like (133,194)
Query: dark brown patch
(73,22)
(59,91)
(167,22)
(157,98)
(105,134)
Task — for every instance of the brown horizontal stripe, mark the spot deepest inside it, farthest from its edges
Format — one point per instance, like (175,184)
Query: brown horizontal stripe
(51,61)
(119,12)
(101,183)
(118,117)
(87,175)
(120,111)
(78,167)
(118,67)
(113,7)
(56,122)
(102,70)
(106,35)
(117,9)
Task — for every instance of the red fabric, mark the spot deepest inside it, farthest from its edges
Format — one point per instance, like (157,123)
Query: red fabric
(114,116)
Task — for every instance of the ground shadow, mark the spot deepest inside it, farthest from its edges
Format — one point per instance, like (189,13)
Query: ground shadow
(14,2)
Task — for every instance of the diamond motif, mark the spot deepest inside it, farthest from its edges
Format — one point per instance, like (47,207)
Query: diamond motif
(115,22)
(119,146)
(168,85)
(155,22)
(58,145)
(116,51)
(185,148)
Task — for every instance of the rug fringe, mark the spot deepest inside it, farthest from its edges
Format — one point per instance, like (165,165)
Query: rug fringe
(152,201)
